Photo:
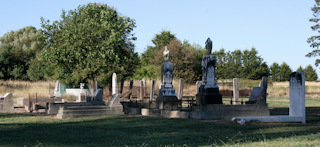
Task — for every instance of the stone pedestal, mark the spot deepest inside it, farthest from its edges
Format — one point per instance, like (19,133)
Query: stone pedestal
(208,96)
(167,100)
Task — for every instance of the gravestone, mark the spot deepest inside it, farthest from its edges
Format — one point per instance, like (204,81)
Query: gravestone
(167,98)
(209,90)
(236,99)
(7,105)
(259,94)
(114,84)
(82,94)
(57,92)
(114,102)
(198,84)
(152,90)
(297,110)
(297,95)
(180,92)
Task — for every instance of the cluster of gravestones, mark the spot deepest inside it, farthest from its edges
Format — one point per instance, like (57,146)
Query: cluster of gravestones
(208,105)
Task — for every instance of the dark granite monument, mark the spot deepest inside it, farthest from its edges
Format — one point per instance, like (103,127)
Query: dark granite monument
(167,98)
(209,90)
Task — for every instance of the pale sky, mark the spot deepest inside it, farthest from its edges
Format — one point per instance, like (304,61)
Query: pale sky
(278,29)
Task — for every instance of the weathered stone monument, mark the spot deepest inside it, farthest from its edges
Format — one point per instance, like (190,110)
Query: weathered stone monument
(167,98)
(82,94)
(297,110)
(259,94)
(6,105)
(57,92)
(114,102)
(209,90)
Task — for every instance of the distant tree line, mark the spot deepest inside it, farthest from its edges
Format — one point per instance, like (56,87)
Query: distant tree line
(93,41)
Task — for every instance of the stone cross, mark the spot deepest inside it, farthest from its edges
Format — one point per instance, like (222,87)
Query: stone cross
(114,84)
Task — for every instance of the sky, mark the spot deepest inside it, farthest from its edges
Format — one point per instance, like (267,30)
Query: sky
(277,29)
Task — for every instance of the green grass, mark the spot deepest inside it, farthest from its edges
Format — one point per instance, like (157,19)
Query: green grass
(128,130)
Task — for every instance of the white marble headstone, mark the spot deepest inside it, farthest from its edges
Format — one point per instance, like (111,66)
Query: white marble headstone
(114,84)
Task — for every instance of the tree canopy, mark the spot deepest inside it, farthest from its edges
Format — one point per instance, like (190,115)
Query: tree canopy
(88,43)
(17,49)
(240,64)
(314,41)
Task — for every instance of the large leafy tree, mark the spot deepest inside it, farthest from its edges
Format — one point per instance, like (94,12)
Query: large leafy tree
(314,41)
(310,73)
(159,41)
(183,57)
(148,68)
(285,72)
(17,49)
(88,43)
(275,71)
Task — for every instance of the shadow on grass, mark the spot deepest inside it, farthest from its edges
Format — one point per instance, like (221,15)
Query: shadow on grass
(135,131)
(312,113)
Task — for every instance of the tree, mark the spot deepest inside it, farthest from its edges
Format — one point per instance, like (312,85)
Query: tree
(310,73)
(17,49)
(89,43)
(300,69)
(183,59)
(275,71)
(159,41)
(285,72)
(314,41)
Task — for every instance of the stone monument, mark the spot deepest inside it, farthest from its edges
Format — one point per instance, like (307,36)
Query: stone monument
(209,90)
(167,98)
(297,109)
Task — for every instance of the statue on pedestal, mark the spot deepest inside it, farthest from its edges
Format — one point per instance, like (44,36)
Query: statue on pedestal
(209,90)
(167,95)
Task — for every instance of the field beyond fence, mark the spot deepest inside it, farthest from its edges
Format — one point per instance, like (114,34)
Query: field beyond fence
(275,89)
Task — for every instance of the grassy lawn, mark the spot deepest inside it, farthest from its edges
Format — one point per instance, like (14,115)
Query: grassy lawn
(128,130)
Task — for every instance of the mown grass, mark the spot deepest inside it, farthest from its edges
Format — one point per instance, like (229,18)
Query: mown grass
(127,130)
(130,130)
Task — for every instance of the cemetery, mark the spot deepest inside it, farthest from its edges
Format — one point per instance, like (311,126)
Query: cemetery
(206,104)
(83,80)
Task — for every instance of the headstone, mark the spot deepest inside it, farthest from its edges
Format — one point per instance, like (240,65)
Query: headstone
(198,84)
(144,85)
(131,84)
(297,95)
(8,103)
(236,99)
(114,84)
(141,91)
(121,86)
(57,92)
(152,90)
(297,110)
(167,98)
(259,94)
(209,90)
(82,94)
(180,92)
